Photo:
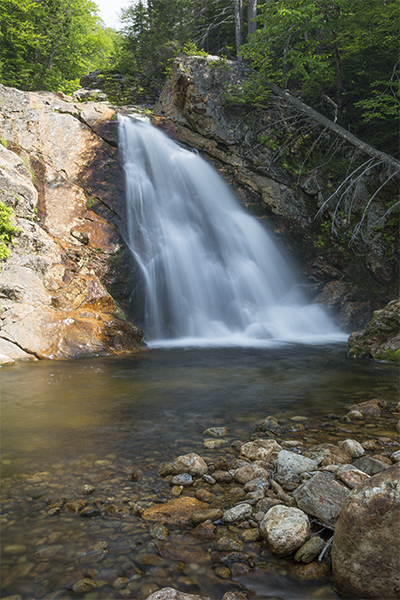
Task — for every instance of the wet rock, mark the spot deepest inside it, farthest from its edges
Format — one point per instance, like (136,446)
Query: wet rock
(395,457)
(370,465)
(328,454)
(350,475)
(249,473)
(353,447)
(177,511)
(270,424)
(250,535)
(366,537)
(285,529)
(371,408)
(353,415)
(91,511)
(380,339)
(226,544)
(204,495)
(205,530)
(314,571)
(223,572)
(159,532)
(260,483)
(237,513)
(290,463)
(187,463)
(222,476)
(310,550)
(87,489)
(75,506)
(183,479)
(83,586)
(266,450)
(217,431)
(212,514)
(322,496)
(213,443)
(176,490)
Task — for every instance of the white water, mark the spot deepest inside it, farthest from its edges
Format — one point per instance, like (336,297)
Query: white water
(211,273)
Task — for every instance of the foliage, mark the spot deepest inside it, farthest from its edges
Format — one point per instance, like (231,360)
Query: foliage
(341,56)
(7,230)
(50,44)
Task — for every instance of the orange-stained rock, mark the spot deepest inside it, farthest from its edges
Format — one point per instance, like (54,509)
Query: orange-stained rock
(314,571)
(69,278)
(177,511)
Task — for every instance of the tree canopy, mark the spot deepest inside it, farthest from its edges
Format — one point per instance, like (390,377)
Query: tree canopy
(50,44)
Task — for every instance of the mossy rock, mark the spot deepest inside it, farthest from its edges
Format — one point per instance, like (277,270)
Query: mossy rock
(380,339)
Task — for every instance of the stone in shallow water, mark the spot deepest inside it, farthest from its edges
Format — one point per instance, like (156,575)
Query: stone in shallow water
(217,431)
(285,529)
(183,479)
(353,447)
(212,514)
(289,463)
(186,463)
(214,443)
(177,511)
(87,489)
(321,496)
(310,550)
(261,450)
(237,513)
(83,585)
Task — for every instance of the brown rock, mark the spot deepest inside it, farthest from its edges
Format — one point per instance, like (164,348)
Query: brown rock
(322,496)
(350,475)
(314,571)
(365,548)
(177,511)
(250,472)
(212,514)
(266,450)
(328,454)
(371,408)
(205,530)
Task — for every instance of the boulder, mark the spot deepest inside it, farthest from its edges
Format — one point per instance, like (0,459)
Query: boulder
(380,339)
(285,529)
(365,548)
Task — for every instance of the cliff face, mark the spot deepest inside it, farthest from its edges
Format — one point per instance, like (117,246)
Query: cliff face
(274,184)
(65,286)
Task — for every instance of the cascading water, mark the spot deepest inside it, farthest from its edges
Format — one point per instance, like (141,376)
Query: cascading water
(210,272)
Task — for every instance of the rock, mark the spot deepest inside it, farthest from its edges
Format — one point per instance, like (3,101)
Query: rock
(353,447)
(248,473)
(370,465)
(270,424)
(266,450)
(350,475)
(312,572)
(212,514)
(183,479)
(222,476)
(186,463)
(87,489)
(328,454)
(237,513)
(290,463)
(321,496)
(54,304)
(285,529)
(371,408)
(171,594)
(177,511)
(205,530)
(213,443)
(380,339)
(395,457)
(217,431)
(83,585)
(310,550)
(159,532)
(260,483)
(366,539)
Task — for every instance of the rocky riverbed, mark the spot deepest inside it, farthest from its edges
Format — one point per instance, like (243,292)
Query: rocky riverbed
(234,513)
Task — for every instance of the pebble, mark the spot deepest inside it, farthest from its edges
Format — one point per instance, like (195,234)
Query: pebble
(87,489)
(183,479)
(353,447)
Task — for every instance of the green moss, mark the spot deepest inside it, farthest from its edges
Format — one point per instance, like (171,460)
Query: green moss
(7,230)
(392,355)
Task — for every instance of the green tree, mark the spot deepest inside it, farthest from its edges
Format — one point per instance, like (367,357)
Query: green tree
(50,44)
(340,55)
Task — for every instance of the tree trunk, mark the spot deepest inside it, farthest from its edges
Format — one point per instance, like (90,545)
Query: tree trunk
(251,14)
(349,137)
(238,5)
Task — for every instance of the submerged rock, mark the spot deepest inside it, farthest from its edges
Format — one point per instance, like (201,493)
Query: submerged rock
(177,511)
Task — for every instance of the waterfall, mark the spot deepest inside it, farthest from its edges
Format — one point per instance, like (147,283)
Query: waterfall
(210,272)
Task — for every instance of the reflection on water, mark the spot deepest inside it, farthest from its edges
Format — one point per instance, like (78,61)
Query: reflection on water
(60,418)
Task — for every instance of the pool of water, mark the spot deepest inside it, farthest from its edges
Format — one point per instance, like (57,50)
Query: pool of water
(94,421)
